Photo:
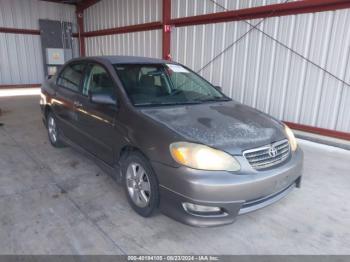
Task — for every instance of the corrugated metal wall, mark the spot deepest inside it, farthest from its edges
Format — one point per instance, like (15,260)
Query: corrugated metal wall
(183,8)
(20,59)
(266,69)
(147,44)
(262,72)
(20,55)
(117,13)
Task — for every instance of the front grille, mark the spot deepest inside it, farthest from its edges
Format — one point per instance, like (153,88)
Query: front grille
(266,156)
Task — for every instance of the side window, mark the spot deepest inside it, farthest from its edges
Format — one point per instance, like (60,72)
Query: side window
(71,76)
(98,82)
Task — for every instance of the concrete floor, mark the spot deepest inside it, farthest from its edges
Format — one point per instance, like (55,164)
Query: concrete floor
(56,201)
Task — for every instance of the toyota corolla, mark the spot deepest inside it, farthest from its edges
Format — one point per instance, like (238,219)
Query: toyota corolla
(174,141)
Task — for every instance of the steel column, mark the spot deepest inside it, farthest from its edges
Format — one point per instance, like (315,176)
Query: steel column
(81,37)
(166,29)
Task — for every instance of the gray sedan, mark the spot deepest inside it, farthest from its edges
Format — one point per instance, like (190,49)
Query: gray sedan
(172,139)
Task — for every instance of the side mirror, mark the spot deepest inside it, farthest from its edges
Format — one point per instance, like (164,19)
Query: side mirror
(218,88)
(102,99)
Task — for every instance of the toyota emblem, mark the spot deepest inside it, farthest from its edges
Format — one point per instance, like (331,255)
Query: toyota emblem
(272,151)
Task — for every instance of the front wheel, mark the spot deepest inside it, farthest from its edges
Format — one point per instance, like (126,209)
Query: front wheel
(53,131)
(141,185)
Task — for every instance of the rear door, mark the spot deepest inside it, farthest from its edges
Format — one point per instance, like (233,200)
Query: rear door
(97,122)
(64,104)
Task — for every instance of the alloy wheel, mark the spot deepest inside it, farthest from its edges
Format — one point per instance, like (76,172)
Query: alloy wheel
(138,185)
(52,129)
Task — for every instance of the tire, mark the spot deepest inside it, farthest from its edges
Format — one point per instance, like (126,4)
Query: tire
(53,131)
(140,184)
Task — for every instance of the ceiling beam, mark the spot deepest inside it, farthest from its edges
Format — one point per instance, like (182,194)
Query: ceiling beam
(19,31)
(125,29)
(68,2)
(81,6)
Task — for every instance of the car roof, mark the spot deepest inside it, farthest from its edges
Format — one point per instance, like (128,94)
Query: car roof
(126,60)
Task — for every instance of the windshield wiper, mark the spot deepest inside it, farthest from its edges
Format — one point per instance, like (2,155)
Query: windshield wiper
(189,102)
(168,103)
(176,92)
(213,99)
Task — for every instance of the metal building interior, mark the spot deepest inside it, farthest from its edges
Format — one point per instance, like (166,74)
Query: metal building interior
(289,59)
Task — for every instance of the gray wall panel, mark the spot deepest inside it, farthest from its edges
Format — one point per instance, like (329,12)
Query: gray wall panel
(265,74)
(258,70)
(26,13)
(20,55)
(117,13)
(20,59)
(147,44)
(183,8)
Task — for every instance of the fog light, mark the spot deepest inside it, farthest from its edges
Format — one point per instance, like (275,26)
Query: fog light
(199,209)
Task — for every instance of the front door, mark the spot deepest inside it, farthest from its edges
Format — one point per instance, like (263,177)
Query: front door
(64,104)
(97,121)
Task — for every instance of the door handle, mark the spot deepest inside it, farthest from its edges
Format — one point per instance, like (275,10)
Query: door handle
(77,104)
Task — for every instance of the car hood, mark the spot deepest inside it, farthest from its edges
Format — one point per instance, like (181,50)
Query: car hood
(229,126)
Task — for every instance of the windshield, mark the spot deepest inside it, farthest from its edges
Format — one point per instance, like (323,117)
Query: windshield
(165,84)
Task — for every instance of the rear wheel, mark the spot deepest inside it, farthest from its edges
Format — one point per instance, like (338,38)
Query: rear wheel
(141,185)
(53,131)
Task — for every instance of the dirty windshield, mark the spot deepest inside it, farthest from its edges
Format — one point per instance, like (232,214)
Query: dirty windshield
(165,84)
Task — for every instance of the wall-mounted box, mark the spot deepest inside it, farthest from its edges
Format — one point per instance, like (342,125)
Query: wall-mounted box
(55,56)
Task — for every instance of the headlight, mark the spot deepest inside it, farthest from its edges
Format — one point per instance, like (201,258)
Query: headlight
(292,141)
(202,157)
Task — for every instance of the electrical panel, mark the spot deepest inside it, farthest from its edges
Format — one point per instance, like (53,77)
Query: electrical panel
(56,42)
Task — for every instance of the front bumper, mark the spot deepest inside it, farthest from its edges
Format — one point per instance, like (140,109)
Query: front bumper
(235,193)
